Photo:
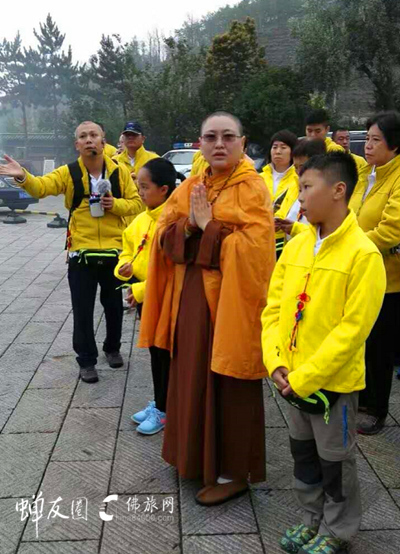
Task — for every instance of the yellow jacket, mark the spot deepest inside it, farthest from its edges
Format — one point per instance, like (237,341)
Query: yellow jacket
(109,150)
(346,289)
(298,226)
(287,180)
(332,146)
(379,215)
(144,224)
(360,161)
(199,164)
(98,233)
(142,156)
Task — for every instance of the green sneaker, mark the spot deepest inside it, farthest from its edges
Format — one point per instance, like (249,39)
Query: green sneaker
(324,544)
(296,537)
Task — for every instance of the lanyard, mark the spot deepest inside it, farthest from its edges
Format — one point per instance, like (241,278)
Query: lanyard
(103,174)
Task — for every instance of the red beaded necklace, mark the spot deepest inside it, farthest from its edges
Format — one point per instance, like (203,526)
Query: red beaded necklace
(301,304)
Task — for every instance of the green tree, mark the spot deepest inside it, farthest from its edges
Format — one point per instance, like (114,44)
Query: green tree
(233,58)
(17,78)
(339,36)
(112,72)
(271,100)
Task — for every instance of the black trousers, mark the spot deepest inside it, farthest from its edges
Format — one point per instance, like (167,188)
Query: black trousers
(160,362)
(83,280)
(379,357)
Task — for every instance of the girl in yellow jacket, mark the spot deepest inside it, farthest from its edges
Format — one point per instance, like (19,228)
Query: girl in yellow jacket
(376,202)
(289,218)
(280,173)
(325,295)
(156,182)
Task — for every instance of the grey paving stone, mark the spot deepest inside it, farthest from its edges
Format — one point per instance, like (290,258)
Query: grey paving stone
(107,393)
(383,453)
(139,468)
(395,494)
(273,415)
(11,526)
(56,374)
(4,415)
(141,533)
(23,461)
(64,547)
(87,435)
(12,324)
(275,512)
(62,346)
(394,411)
(235,516)
(279,460)
(39,410)
(127,329)
(140,368)
(379,509)
(376,542)
(234,544)
(12,387)
(48,313)
(71,481)
(39,332)
(22,357)
(23,305)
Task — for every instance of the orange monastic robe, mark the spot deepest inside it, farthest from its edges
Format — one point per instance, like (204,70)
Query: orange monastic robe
(236,293)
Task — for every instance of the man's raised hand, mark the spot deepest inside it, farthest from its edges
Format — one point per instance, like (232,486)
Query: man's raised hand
(11,168)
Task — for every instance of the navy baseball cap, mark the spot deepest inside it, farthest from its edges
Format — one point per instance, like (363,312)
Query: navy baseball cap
(133,127)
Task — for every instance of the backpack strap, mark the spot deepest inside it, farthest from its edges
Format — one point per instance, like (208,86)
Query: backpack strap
(115,186)
(79,191)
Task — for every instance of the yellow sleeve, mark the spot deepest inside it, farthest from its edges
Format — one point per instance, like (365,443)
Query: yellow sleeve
(138,291)
(365,292)
(386,234)
(125,257)
(130,203)
(270,340)
(52,184)
(298,228)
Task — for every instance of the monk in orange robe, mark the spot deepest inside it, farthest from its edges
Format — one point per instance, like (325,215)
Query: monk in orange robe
(211,261)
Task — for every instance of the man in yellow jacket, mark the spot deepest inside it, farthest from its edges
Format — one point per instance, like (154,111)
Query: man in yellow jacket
(98,193)
(325,295)
(317,127)
(341,136)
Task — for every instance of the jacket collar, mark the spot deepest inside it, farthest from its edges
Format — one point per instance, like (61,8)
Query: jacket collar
(110,166)
(384,171)
(349,223)
(155,214)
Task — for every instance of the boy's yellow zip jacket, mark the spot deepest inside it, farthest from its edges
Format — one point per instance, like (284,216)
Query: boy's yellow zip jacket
(87,232)
(287,180)
(133,238)
(345,285)
(298,226)
(379,215)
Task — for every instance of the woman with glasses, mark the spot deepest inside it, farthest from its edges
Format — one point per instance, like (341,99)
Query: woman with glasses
(280,173)
(212,258)
(376,201)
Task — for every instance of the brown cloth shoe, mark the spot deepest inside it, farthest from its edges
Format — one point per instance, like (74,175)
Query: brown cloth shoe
(212,495)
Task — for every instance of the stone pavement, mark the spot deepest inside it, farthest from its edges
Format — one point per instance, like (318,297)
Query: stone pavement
(74,441)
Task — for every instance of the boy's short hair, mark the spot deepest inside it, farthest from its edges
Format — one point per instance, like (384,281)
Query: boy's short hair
(162,172)
(389,125)
(307,148)
(318,116)
(335,167)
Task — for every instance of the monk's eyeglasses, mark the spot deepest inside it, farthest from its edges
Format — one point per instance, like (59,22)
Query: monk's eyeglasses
(226,138)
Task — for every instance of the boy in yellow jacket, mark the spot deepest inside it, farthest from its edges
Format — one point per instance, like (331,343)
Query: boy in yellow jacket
(156,181)
(325,295)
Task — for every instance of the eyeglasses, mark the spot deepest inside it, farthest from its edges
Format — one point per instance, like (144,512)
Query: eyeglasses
(226,138)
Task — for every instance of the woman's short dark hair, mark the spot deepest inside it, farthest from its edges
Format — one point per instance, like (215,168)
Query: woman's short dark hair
(285,136)
(162,172)
(389,125)
(306,148)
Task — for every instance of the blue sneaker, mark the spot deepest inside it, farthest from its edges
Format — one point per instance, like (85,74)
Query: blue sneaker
(153,424)
(139,417)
